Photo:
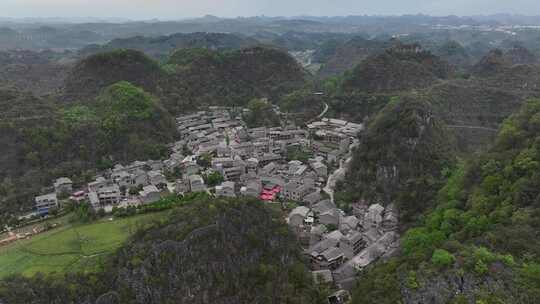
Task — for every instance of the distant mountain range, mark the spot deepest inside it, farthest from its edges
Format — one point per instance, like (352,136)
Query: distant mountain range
(74,33)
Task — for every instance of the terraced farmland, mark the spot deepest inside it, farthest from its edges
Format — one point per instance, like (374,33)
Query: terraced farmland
(69,248)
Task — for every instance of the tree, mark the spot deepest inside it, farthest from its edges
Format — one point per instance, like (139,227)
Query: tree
(84,213)
(205,160)
(213,179)
(442,258)
(135,190)
(261,114)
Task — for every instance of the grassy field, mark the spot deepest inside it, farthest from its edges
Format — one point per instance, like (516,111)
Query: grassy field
(71,247)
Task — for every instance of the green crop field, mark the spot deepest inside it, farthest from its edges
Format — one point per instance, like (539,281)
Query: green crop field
(69,248)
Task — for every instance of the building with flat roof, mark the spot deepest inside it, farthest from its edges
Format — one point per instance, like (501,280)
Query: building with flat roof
(226,189)
(63,185)
(46,202)
(196,183)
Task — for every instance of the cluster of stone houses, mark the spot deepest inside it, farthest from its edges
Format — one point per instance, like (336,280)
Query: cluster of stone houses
(44,203)
(115,185)
(337,245)
(332,137)
(252,162)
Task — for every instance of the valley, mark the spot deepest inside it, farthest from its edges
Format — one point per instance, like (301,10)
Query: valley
(359,159)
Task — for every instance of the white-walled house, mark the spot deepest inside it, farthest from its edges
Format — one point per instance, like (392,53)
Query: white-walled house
(45,202)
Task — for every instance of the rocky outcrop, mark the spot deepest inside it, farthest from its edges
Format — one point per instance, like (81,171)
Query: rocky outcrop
(455,286)
(404,145)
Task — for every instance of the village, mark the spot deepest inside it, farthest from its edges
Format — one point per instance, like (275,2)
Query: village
(219,154)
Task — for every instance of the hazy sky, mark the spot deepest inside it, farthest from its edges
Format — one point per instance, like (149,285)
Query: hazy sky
(174,9)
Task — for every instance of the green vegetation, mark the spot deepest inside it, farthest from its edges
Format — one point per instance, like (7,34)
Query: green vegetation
(96,72)
(73,248)
(379,285)
(86,240)
(401,157)
(261,114)
(199,77)
(298,153)
(205,160)
(442,258)
(194,56)
(400,68)
(186,251)
(160,47)
(213,179)
(116,106)
(481,228)
(124,123)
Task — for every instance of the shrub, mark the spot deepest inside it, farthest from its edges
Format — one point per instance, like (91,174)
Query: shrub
(442,258)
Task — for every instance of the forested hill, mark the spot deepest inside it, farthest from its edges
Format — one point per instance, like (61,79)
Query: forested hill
(41,73)
(402,67)
(337,57)
(480,243)
(43,140)
(190,78)
(199,77)
(401,157)
(65,135)
(161,47)
(212,251)
(92,74)
(473,100)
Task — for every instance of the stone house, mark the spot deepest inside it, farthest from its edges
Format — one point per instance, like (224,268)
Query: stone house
(297,216)
(156,178)
(352,243)
(330,217)
(122,179)
(330,258)
(182,185)
(349,223)
(253,188)
(317,233)
(149,194)
(226,189)
(321,169)
(323,206)
(196,183)
(312,198)
(373,217)
(44,203)
(63,185)
(99,183)
(109,195)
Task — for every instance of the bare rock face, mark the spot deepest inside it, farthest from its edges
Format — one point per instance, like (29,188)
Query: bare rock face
(453,285)
(405,145)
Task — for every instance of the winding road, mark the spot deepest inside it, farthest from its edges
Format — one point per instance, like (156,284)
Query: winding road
(326,107)
(339,174)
